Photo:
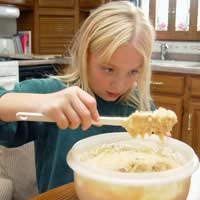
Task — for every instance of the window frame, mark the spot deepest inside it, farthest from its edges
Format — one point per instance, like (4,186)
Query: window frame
(172,34)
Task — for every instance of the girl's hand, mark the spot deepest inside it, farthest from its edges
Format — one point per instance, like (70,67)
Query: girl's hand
(70,107)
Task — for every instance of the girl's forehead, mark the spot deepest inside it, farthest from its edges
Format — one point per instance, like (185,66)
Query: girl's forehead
(126,55)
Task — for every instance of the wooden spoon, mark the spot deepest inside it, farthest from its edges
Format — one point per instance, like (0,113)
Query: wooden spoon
(160,121)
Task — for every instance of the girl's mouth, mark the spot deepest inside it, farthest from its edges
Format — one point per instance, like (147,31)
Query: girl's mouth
(113,95)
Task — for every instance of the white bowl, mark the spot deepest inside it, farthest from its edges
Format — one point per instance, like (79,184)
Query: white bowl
(98,184)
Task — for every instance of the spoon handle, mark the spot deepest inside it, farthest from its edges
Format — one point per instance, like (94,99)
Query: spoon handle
(31,116)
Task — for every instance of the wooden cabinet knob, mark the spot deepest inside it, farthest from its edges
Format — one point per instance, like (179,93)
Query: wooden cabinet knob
(157,83)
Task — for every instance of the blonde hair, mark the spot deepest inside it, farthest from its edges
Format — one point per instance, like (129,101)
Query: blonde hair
(106,29)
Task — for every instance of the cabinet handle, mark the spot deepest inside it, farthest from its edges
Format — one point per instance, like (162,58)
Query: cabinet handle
(189,122)
(157,83)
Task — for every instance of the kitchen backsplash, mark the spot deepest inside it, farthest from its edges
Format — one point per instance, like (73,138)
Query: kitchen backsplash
(179,47)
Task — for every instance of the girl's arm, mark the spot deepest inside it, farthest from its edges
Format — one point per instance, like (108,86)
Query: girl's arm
(69,107)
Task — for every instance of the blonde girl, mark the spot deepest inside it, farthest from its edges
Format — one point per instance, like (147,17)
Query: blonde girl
(110,77)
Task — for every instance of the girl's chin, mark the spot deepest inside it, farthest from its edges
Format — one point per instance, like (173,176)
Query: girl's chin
(108,98)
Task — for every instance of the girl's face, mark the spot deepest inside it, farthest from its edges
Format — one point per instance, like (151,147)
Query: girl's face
(113,79)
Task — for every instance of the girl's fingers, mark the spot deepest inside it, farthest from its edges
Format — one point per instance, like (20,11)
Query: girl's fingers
(62,121)
(59,117)
(73,117)
(83,112)
(90,103)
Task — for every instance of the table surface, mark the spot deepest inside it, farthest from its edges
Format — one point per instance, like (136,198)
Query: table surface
(67,191)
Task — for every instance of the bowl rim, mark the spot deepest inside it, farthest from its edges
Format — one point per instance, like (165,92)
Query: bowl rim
(144,178)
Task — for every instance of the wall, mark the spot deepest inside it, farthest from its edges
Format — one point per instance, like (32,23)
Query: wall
(179,50)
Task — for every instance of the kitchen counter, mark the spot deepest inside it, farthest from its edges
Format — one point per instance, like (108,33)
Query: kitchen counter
(175,66)
(44,61)
(31,60)
(184,67)
(35,66)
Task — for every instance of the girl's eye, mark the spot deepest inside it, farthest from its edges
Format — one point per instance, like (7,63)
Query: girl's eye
(108,69)
(133,72)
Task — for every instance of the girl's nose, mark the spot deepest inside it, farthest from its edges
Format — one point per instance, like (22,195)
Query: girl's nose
(118,83)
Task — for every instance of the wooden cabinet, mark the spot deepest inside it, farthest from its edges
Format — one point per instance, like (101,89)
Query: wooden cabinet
(167,83)
(168,91)
(57,3)
(175,104)
(53,25)
(55,33)
(194,88)
(88,4)
(191,131)
(180,93)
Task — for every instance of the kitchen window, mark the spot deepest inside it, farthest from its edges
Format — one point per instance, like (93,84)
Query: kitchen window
(174,19)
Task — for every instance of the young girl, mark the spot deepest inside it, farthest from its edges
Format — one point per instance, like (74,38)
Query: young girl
(110,77)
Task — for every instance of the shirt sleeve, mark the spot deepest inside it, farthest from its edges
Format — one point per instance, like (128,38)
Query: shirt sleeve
(36,86)
(152,106)
(13,134)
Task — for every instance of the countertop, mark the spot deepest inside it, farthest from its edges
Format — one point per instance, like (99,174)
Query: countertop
(44,61)
(184,67)
(31,60)
(175,66)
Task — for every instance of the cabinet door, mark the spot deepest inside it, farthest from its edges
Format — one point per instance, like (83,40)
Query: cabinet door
(172,103)
(166,83)
(191,133)
(88,4)
(195,89)
(56,4)
(55,34)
